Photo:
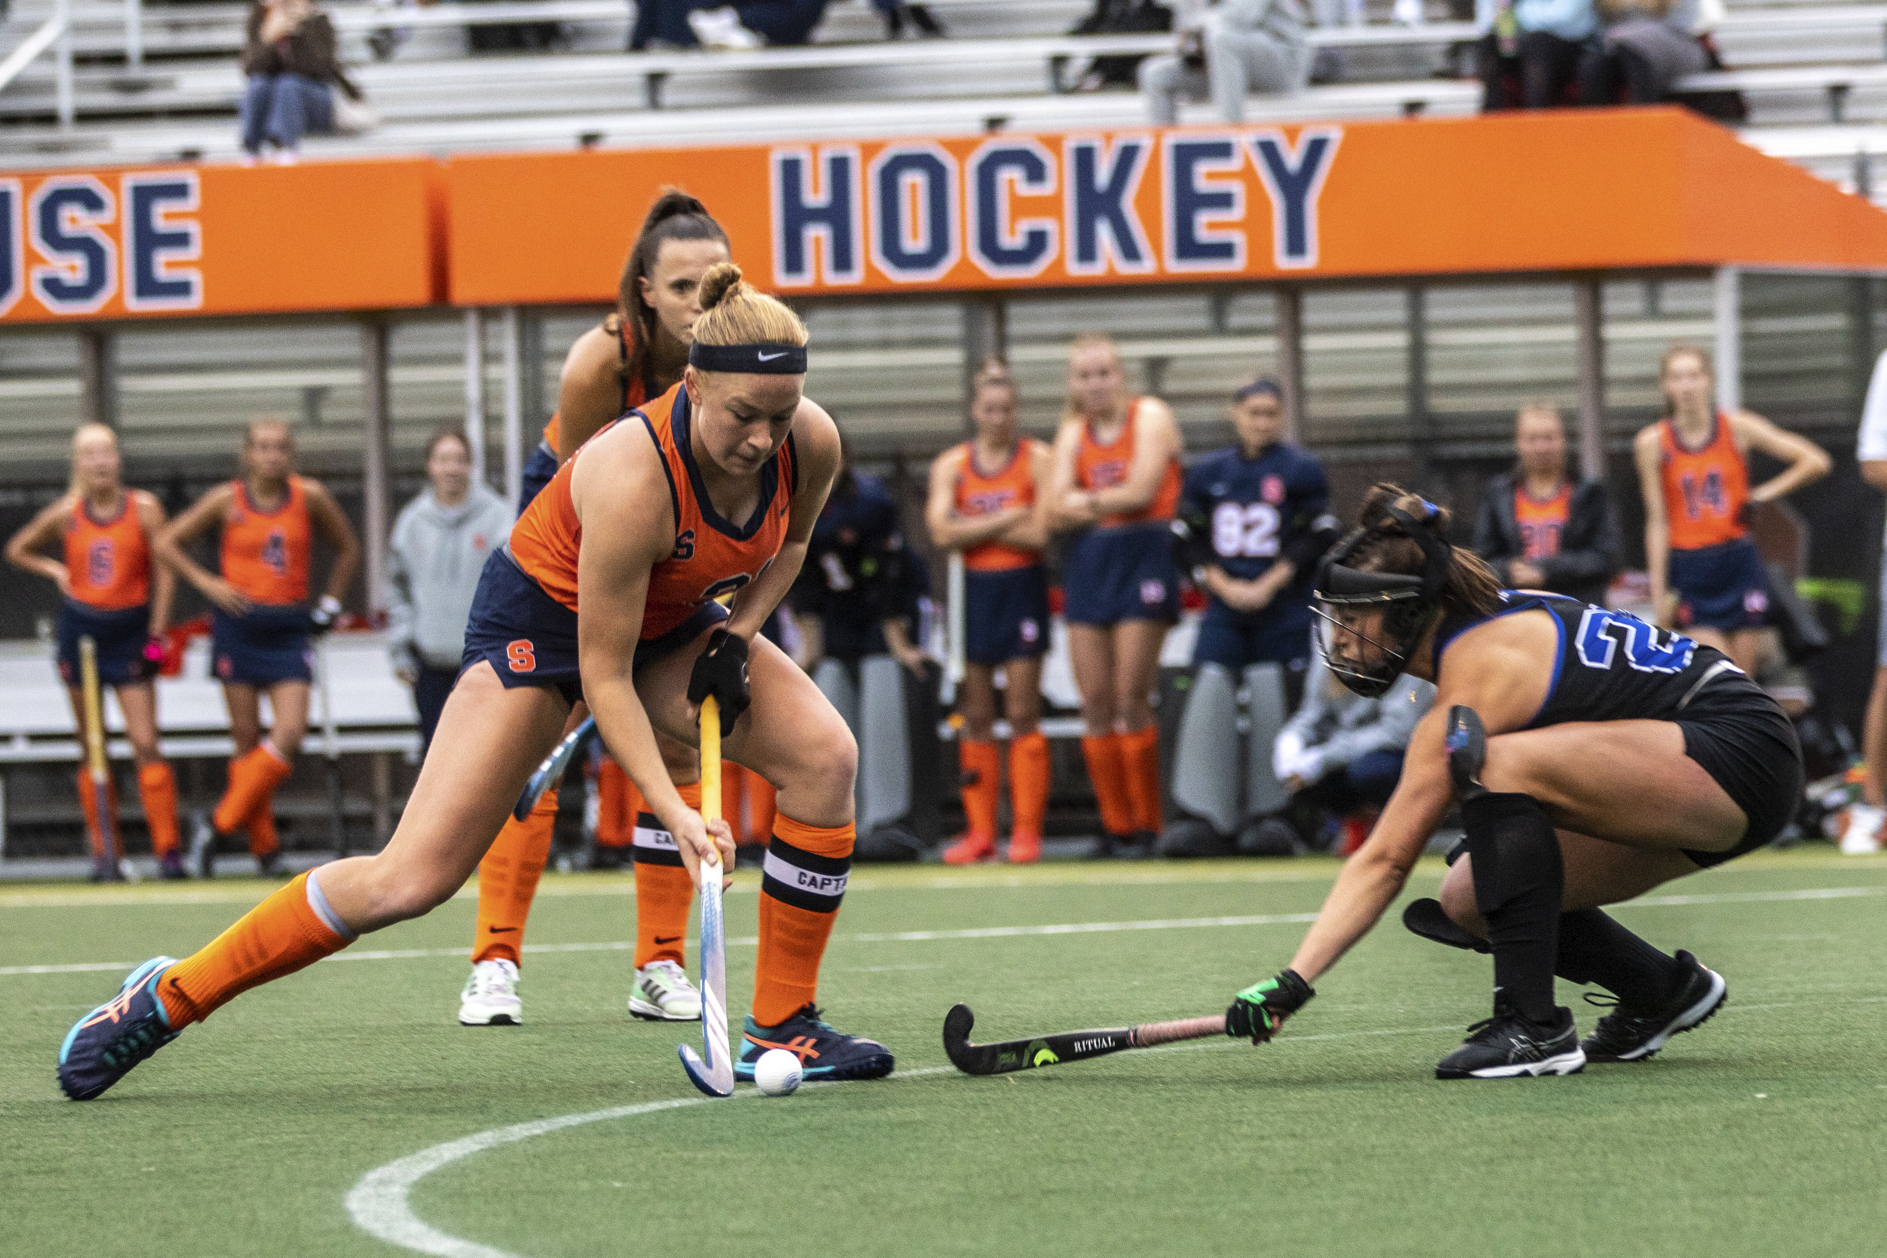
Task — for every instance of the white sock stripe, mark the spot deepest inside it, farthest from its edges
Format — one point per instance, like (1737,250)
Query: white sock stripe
(325,911)
(658,840)
(784,871)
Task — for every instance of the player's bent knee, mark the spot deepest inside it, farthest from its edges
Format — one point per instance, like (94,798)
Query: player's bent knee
(1457,898)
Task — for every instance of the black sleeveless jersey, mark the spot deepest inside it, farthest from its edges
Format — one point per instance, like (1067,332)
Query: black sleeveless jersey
(1610,666)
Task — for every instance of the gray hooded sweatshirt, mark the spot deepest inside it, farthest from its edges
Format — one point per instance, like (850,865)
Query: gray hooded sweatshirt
(433,564)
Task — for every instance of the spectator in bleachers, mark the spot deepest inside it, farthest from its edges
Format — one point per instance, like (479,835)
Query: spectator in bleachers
(1643,48)
(1531,53)
(750,24)
(896,13)
(1117,480)
(1227,50)
(439,546)
(1538,528)
(294,74)
(115,594)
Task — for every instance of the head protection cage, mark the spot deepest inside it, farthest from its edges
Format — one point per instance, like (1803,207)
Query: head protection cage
(1407,602)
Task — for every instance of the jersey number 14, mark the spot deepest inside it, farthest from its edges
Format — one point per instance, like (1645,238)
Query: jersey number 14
(1647,648)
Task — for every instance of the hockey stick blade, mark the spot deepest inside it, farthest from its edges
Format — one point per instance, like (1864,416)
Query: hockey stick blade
(714,1076)
(1005,1056)
(552,770)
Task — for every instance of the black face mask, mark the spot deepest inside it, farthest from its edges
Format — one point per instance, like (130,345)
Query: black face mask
(1408,606)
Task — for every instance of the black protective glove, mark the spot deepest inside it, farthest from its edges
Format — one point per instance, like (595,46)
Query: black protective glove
(721,671)
(1191,542)
(1259,1010)
(325,612)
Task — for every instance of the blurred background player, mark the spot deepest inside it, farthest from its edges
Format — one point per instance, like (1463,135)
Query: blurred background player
(114,593)
(1116,478)
(1253,521)
(634,356)
(439,546)
(1706,575)
(1864,821)
(857,608)
(988,499)
(260,622)
(1538,528)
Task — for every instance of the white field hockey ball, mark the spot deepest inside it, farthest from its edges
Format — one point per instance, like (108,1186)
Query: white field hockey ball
(777,1073)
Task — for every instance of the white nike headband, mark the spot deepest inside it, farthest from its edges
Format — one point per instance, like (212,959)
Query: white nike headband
(764,359)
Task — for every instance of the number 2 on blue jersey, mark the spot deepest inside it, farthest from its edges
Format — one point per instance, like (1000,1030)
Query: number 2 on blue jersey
(1647,648)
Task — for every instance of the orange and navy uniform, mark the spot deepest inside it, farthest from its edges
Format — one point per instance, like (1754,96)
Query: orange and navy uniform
(1542,521)
(108,564)
(543,463)
(1005,586)
(265,556)
(1715,569)
(1122,568)
(523,619)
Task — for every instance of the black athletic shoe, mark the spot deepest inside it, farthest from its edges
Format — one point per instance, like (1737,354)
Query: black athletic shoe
(1627,1034)
(203,848)
(1507,1046)
(269,865)
(1189,836)
(1269,836)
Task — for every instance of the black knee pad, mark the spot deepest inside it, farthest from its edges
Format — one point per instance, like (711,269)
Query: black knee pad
(1513,848)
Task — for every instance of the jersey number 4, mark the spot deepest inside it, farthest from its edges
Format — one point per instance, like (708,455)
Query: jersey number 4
(1245,530)
(1647,649)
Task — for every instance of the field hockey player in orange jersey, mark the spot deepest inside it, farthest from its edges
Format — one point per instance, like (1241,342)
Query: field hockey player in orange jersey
(636,354)
(989,499)
(1117,478)
(1706,575)
(118,597)
(711,489)
(261,622)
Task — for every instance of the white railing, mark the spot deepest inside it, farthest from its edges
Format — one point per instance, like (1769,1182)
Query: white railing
(56,33)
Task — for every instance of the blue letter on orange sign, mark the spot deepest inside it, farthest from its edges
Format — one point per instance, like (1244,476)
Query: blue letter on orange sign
(1001,246)
(68,215)
(799,215)
(914,212)
(155,241)
(12,245)
(1190,245)
(1102,226)
(1294,180)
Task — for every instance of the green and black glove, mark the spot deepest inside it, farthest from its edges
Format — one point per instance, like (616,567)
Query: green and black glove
(1259,1010)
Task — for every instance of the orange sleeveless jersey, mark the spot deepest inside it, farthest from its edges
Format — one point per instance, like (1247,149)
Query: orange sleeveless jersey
(1704,489)
(265,554)
(712,557)
(634,392)
(1103,467)
(979,494)
(1542,520)
(110,560)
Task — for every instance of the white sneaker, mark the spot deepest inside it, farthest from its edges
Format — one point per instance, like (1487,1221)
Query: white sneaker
(721,28)
(663,994)
(490,997)
(1862,835)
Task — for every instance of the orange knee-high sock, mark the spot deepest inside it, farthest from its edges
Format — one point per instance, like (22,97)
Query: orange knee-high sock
(1028,781)
(617,803)
(1140,756)
(1107,773)
(157,788)
(293,928)
(507,882)
(663,889)
(807,869)
(982,784)
(734,798)
(253,778)
(88,802)
(761,807)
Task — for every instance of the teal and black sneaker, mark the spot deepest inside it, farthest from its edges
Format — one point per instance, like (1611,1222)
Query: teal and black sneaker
(823,1052)
(107,1042)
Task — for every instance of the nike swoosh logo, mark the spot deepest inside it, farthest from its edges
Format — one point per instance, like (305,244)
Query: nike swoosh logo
(767,358)
(501,930)
(670,939)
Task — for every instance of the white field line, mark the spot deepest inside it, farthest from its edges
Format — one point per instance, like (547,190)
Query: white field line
(996,932)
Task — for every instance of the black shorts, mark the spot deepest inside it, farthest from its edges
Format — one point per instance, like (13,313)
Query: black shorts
(1743,739)
(119,637)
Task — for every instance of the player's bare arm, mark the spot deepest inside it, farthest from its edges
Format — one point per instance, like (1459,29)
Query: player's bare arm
(25,549)
(589,392)
(950,531)
(1156,443)
(1493,668)
(1032,532)
(1646,453)
(332,523)
(151,519)
(1069,507)
(1807,462)
(622,542)
(206,513)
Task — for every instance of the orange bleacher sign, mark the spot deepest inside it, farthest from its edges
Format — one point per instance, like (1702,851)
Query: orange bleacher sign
(1511,193)
(219,240)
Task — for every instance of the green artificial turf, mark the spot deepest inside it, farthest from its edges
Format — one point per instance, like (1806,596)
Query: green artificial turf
(1763,1133)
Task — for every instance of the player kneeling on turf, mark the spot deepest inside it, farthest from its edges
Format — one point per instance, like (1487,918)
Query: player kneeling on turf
(1594,756)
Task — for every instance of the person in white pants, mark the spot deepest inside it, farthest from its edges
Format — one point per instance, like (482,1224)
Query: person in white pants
(1863,834)
(1228,49)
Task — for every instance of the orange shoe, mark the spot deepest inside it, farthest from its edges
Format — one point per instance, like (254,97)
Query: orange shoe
(1024,848)
(970,849)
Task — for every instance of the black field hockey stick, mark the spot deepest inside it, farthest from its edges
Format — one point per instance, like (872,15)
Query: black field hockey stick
(551,771)
(1053,1050)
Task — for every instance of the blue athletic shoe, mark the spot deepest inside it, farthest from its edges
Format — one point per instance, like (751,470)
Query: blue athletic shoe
(103,1046)
(823,1052)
